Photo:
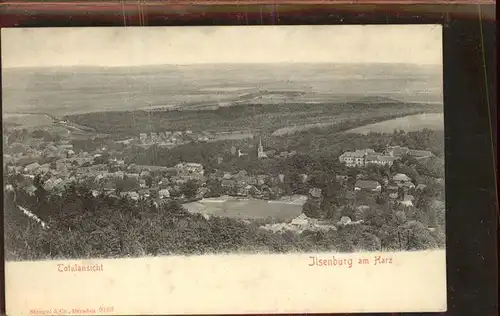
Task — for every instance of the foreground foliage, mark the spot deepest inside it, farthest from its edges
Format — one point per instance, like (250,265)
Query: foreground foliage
(83,226)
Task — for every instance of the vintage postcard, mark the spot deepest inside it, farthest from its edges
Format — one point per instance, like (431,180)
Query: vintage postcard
(223,170)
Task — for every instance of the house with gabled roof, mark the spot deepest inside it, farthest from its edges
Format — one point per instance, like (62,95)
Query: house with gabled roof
(130,194)
(32,167)
(227,183)
(30,189)
(49,184)
(367,185)
(315,193)
(408,186)
(401,177)
(407,200)
(300,221)
(396,151)
(393,195)
(421,187)
(163,193)
(420,154)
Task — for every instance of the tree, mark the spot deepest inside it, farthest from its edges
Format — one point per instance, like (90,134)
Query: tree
(189,189)
(348,211)
(37,133)
(368,242)
(126,184)
(377,216)
(381,200)
(294,181)
(149,181)
(423,203)
(415,236)
(345,239)
(311,209)
(409,160)
(215,187)
(358,214)
(433,167)
(400,217)
(100,160)
(332,189)
(13,178)
(329,210)
(40,192)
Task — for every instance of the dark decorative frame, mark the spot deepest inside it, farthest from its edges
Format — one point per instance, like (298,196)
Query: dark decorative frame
(469,89)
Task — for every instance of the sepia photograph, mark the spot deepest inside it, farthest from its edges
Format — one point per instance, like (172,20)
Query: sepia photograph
(318,144)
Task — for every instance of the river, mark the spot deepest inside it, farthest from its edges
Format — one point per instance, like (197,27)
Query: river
(433,121)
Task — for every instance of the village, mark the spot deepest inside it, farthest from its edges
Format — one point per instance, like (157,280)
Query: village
(55,165)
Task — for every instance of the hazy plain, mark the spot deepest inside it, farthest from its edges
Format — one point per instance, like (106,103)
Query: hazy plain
(64,91)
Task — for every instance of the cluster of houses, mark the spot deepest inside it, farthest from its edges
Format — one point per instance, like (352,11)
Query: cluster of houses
(175,138)
(366,157)
(399,186)
(161,181)
(299,224)
(262,153)
(243,184)
(59,165)
(302,222)
(52,160)
(172,138)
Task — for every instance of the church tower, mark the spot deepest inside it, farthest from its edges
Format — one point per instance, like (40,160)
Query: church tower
(260,150)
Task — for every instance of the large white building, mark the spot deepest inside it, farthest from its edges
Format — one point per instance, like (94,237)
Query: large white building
(366,157)
(355,158)
(379,160)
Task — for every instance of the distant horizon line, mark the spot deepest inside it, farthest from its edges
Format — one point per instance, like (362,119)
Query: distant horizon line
(226,63)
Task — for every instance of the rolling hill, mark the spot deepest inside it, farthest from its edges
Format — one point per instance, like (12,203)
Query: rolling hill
(249,117)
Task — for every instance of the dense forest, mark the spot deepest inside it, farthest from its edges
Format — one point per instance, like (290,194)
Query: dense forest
(83,226)
(267,118)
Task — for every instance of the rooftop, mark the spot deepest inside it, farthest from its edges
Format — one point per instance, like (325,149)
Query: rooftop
(380,157)
(367,184)
(419,153)
(401,177)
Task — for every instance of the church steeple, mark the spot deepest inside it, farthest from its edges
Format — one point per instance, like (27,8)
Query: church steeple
(260,150)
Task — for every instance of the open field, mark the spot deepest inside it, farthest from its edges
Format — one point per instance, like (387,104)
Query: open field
(246,208)
(232,136)
(27,120)
(31,122)
(433,121)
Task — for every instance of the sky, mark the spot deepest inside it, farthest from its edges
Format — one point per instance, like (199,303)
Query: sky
(137,46)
